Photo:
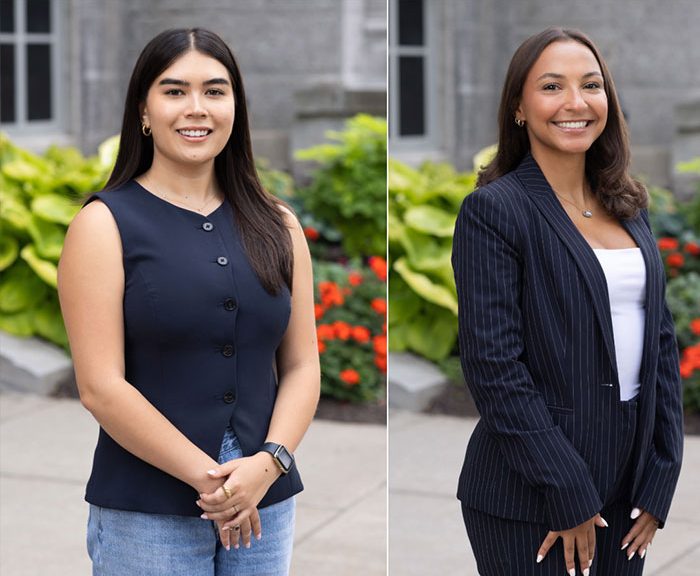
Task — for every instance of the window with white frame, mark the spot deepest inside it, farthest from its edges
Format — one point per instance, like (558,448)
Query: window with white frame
(28,71)
(411,116)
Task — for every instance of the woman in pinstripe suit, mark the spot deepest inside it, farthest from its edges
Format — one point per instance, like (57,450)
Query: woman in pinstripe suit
(566,341)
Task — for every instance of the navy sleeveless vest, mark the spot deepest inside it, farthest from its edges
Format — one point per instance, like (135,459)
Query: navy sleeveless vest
(200,336)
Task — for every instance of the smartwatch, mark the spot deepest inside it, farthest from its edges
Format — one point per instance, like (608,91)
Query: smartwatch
(281,455)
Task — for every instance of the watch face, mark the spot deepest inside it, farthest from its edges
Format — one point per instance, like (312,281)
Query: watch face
(285,458)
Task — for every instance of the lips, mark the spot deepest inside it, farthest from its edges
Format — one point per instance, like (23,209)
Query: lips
(194,132)
(573,124)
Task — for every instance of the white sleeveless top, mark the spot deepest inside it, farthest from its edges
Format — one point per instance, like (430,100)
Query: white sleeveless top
(626,277)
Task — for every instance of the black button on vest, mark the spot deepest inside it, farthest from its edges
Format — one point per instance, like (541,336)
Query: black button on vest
(229,397)
(208,226)
(230,304)
(222,260)
(227,351)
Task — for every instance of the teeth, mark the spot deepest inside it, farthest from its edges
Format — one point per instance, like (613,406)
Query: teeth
(581,124)
(194,133)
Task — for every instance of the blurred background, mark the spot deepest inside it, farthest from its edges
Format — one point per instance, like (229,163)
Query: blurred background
(315,78)
(447,63)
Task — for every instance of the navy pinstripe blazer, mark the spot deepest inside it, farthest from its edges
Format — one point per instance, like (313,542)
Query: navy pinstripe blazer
(538,355)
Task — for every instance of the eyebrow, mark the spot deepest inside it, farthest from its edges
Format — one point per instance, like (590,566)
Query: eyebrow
(561,76)
(176,82)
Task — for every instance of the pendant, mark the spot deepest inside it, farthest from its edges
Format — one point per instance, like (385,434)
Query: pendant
(587,213)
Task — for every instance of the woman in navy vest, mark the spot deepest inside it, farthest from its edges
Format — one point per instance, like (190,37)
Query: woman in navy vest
(566,341)
(187,295)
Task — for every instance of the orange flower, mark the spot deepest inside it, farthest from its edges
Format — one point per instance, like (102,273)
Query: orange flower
(361,334)
(318,311)
(380,362)
(331,294)
(311,233)
(342,329)
(380,344)
(692,248)
(379,305)
(321,346)
(695,326)
(668,244)
(378,266)
(355,278)
(350,377)
(675,260)
(686,370)
(325,332)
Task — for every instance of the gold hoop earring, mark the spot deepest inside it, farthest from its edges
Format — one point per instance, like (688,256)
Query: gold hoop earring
(520,122)
(145,130)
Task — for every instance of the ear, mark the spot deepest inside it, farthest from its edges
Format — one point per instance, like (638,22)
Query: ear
(519,112)
(143,113)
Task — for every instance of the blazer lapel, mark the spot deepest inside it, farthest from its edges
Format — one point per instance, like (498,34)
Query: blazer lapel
(543,196)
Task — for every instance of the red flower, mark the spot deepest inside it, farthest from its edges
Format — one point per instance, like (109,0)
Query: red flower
(380,362)
(321,346)
(378,266)
(379,305)
(675,260)
(325,332)
(331,295)
(380,345)
(361,334)
(342,329)
(355,278)
(686,370)
(318,311)
(350,377)
(668,244)
(692,248)
(311,233)
(695,326)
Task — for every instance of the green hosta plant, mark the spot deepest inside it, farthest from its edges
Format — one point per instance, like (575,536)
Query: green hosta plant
(39,196)
(423,207)
(348,190)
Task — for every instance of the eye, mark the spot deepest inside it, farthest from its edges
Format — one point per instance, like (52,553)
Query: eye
(216,92)
(592,86)
(174,92)
(550,86)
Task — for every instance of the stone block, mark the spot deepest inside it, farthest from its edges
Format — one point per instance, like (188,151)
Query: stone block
(32,365)
(413,382)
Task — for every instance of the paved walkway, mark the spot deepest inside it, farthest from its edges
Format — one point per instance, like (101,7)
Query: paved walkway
(46,450)
(426,533)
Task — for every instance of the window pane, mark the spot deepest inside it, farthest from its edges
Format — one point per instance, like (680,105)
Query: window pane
(411,96)
(38,15)
(7,83)
(7,15)
(38,82)
(411,23)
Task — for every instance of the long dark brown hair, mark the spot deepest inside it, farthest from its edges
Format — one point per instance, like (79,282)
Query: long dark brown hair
(258,214)
(607,160)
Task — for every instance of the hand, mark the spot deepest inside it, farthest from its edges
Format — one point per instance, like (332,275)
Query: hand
(248,480)
(240,531)
(580,539)
(641,534)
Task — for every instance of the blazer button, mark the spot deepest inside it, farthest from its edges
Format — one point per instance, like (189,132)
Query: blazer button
(229,397)
(222,260)
(208,226)
(230,304)
(227,351)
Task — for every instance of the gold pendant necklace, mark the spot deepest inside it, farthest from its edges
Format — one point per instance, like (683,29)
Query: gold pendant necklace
(178,201)
(585,211)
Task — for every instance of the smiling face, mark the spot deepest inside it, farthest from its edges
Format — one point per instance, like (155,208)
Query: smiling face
(190,110)
(563,100)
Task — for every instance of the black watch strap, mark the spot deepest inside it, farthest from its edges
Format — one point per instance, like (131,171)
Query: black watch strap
(283,458)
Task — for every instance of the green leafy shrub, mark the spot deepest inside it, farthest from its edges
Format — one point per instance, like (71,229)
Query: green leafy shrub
(348,190)
(423,207)
(39,196)
(351,329)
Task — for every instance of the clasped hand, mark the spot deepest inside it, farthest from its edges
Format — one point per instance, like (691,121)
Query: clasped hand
(581,540)
(233,506)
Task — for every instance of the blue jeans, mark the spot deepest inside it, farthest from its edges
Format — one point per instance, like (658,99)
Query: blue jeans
(124,543)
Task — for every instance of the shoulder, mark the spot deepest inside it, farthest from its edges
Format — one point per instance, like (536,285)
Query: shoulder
(94,225)
(505,196)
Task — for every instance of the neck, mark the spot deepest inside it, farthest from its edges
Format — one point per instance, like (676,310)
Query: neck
(566,174)
(198,182)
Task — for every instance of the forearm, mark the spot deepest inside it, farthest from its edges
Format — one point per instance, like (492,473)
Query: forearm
(295,406)
(136,425)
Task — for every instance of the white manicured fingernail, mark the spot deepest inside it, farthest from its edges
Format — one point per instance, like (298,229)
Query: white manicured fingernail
(630,556)
(625,545)
(586,572)
(590,562)
(540,558)
(211,472)
(572,572)
(643,553)
(635,513)
(603,521)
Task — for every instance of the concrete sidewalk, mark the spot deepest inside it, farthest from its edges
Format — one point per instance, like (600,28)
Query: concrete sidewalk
(426,532)
(46,450)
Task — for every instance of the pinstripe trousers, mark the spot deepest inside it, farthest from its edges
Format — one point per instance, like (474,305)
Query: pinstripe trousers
(504,547)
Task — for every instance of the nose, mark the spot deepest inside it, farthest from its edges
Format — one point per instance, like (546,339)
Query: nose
(576,100)
(196,108)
